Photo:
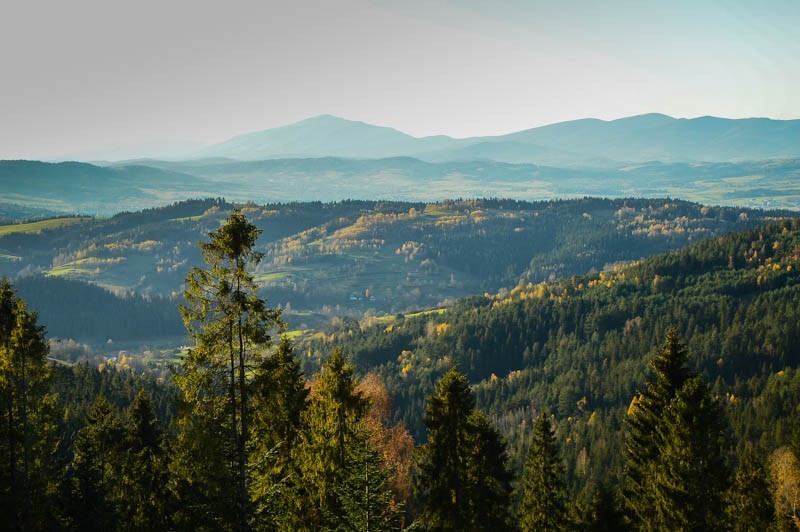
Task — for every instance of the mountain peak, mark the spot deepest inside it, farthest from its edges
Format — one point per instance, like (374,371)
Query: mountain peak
(325,119)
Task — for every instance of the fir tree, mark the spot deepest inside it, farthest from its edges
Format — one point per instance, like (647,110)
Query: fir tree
(331,430)
(544,495)
(489,479)
(344,481)
(365,501)
(279,395)
(141,493)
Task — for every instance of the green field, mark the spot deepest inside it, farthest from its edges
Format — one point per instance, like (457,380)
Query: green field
(38,227)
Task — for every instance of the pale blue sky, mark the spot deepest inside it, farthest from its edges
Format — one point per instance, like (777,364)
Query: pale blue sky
(89,73)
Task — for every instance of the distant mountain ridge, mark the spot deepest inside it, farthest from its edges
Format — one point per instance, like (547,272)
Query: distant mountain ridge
(583,143)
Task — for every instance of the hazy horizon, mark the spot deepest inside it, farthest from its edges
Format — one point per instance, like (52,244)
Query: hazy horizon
(93,75)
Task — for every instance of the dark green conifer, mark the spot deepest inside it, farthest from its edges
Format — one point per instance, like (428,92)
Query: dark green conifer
(544,495)
(464,459)
(142,495)
(748,502)
(28,417)
(95,468)
(690,474)
(644,414)
(365,501)
(279,395)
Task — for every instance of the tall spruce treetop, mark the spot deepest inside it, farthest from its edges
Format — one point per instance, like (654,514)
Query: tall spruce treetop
(691,474)
(544,495)
(332,428)
(230,326)
(443,469)
(27,416)
(644,414)
(464,483)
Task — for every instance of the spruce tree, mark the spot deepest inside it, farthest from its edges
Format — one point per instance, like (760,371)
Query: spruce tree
(330,423)
(690,475)
(544,495)
(229,324)
(644,414)
(489,478)
(95,469)
(28,417)
(463,480)
(141,493)
(344,484)
(364,497)
(279,395)
(748,502)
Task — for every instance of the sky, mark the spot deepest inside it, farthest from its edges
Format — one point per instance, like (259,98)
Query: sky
(86,74)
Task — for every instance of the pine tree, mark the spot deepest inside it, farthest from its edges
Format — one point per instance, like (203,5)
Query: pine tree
(230,326)
(544,495)
(690,474)
(28,478)
(646,410)
(463,478)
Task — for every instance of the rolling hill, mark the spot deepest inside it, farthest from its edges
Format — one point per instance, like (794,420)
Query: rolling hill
(358,257)
(579,347)
(79,188)
(74,187)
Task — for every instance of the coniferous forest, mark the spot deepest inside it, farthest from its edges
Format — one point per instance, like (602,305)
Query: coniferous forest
(657,395)
(384,265)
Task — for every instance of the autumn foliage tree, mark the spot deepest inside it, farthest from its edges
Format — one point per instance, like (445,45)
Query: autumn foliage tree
(785,475)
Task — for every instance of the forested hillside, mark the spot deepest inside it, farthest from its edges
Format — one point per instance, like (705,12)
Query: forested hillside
(672,383)
(579,347)
(339,259)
